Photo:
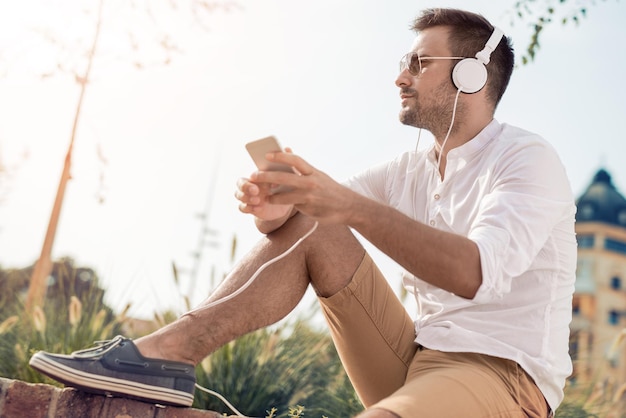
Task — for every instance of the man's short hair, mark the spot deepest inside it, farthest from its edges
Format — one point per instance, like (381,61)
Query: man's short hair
(469,33)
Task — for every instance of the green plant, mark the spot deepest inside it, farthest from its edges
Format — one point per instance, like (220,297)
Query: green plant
(73,317)
(573,410)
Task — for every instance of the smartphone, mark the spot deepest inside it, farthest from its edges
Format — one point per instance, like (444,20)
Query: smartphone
(259,148)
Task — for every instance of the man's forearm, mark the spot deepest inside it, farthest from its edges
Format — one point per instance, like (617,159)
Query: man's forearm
(443,259)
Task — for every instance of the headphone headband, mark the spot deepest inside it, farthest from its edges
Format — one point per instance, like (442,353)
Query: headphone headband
(484,55)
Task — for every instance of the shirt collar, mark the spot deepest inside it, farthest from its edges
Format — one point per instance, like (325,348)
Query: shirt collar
(475,144)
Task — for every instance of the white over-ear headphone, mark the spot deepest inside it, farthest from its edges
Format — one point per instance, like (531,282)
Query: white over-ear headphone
(470,74)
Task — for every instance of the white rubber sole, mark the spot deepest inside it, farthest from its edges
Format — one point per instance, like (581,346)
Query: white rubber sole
(104,385)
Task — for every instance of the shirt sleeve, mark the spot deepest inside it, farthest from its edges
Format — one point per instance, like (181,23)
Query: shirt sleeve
(530,196)
(372,183)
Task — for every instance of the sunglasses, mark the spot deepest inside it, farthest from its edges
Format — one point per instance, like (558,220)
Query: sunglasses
(413,62)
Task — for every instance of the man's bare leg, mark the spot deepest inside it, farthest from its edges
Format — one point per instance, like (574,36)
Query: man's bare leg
(327,259)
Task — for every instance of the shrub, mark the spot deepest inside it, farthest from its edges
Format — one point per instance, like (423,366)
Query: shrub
(73,317)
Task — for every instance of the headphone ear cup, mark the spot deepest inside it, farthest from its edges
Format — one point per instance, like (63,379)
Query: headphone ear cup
(469,75)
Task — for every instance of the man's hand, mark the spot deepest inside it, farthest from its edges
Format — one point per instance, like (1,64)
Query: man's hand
(254,199)
(309,190)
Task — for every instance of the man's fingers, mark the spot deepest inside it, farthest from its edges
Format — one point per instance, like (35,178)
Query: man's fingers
(301,166)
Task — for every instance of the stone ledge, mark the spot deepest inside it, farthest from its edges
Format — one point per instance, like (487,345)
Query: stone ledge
(26,400)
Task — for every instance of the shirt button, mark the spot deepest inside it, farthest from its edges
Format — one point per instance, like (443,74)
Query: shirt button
(432,222)
(437,197)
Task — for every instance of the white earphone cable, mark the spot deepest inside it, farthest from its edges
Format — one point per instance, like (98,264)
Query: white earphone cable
(456,100)
(239,291)
(256,273)
(223,399)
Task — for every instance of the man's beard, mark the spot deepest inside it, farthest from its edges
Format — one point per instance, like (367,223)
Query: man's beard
(432,113)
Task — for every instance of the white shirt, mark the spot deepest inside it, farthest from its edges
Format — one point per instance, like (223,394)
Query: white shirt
(506,190)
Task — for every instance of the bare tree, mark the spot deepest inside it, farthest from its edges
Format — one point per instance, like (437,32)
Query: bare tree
(81,67)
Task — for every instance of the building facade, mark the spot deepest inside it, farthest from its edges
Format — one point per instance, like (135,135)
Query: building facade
(598,329)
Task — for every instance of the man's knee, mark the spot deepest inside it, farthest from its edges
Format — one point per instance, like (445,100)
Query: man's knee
(332,252)
(333,257)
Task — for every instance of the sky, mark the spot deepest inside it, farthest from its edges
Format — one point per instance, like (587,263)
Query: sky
(158,146)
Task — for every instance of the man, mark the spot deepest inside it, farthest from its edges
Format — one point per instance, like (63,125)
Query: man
(483,223)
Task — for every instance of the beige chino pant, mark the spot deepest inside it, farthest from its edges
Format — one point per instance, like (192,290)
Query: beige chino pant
(374,336)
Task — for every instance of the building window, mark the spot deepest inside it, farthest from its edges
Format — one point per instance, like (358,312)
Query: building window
(616,283)
(576,306)
(586,241)
(614,317)
(615,245)
(586,211)
(573,346)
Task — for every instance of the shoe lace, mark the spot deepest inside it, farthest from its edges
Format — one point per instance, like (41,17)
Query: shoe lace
(102,347)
